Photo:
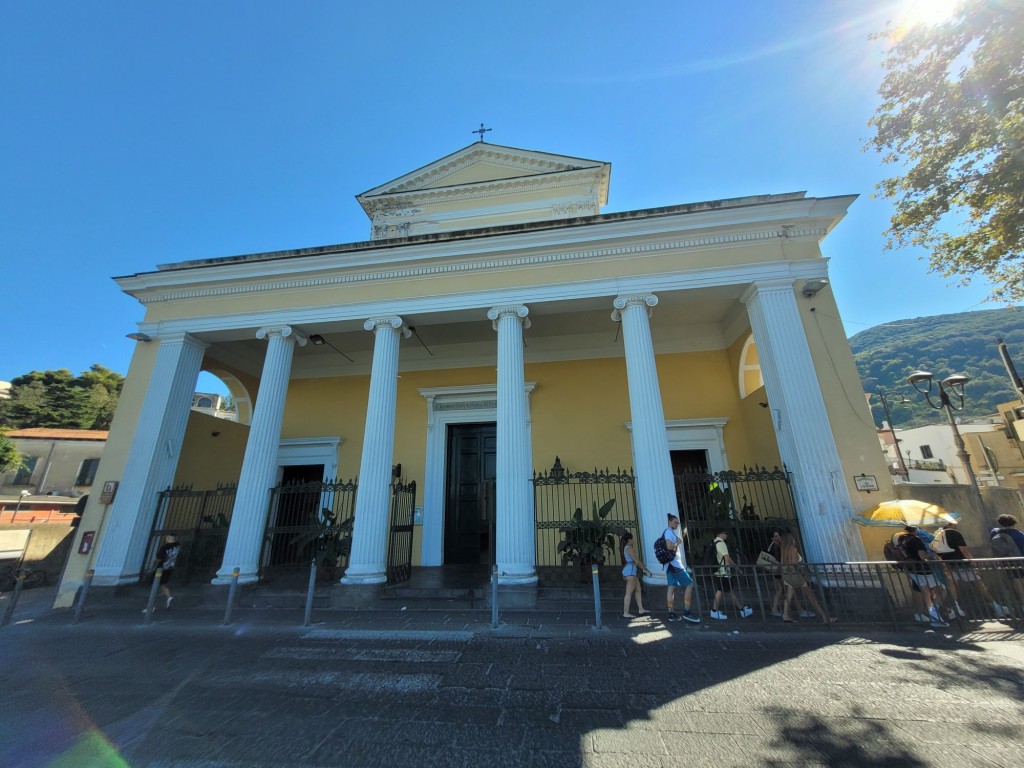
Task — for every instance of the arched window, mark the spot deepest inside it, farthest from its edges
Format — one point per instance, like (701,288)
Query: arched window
(750,369)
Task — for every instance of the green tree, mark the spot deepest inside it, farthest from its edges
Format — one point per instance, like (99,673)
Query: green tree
(9,456)
(952,118)
(57,399)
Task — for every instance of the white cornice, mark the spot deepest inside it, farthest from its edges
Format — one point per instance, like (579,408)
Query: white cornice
(151,281)
(739,275)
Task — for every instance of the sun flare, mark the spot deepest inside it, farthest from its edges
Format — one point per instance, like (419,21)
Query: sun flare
(927,12)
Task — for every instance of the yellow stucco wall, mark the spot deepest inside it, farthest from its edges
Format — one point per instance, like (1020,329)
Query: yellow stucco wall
(208,459)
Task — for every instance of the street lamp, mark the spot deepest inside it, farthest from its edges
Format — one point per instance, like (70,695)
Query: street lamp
(21,498)
(892,431)
(954,384)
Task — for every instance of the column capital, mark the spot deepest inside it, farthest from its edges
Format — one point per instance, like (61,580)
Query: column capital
(181,337)
(510,310)
(284,331)
(761,287)
(633,300)
(394,322)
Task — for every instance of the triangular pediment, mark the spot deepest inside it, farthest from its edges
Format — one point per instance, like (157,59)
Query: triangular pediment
(486,185)
(479,163)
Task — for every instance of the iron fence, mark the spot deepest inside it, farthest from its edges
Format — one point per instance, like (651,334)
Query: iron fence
(200,521)
(748,503)
(559,495)
(308,521)
(867,593)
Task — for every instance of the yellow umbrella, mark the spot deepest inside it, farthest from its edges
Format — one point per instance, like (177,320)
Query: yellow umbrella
(907,512)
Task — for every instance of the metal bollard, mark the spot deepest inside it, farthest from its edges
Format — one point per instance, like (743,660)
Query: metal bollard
(308,617)
(597,598)
(494,598)
(151,605)
(18,584)
(80,606)
(231,597)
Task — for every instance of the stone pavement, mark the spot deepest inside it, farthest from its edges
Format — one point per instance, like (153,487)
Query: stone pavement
(426,688)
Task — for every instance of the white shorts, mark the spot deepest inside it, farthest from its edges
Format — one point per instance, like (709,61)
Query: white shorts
(924,580)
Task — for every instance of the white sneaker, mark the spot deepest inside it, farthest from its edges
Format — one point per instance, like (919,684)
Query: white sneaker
(959,611)
(921,617)
(168,603)
(747,612)
(718,615)
(1001,611)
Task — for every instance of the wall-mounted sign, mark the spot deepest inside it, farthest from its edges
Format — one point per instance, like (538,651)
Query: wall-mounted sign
(85,545)
(866,483)
(109,492)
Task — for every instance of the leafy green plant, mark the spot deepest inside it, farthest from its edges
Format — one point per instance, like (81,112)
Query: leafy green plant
(332,539)
(586,541)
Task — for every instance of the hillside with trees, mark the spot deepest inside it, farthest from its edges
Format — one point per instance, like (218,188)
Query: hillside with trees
(942,344)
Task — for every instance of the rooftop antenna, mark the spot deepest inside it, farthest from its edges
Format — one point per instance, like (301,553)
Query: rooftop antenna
(481,130)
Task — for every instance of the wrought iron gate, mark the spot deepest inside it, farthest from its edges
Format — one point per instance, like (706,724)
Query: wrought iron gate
(200,521)
(403,505)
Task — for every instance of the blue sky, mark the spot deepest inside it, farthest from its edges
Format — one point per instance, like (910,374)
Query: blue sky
(136,134)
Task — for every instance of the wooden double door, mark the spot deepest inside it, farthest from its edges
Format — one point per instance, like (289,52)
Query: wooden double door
(469,494)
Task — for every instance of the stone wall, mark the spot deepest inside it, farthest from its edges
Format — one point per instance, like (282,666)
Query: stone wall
(47,547)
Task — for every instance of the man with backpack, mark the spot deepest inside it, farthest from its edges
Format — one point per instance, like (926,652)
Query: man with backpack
(723,578)
(675,572)
(921,574)
(1007,541)
(951,547)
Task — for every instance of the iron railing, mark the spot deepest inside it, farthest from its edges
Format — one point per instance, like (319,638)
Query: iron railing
(867,593)
(308,521)
(557,496)
(748,503)
(200,520)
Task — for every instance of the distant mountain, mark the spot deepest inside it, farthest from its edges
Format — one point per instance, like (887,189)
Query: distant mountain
(943,344)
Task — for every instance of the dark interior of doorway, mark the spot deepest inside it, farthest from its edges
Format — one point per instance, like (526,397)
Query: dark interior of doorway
(295,510)
(469,504)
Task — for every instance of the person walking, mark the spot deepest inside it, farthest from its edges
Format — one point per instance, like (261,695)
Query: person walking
(723,579)
(677,575)
(775,550)
(922,575)
(1001,539)
(166,559)
(951,547)
(795,582)
(632,567)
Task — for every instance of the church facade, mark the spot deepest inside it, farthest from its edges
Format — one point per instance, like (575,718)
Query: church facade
(495,303)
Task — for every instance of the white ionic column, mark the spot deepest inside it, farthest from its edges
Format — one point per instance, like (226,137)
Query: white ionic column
(368,561)
(802,427)
(656,496)
(152,459)
(259,466)
(515,545)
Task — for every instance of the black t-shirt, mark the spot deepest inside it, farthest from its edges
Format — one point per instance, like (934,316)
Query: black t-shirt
(913,545)
(954,540)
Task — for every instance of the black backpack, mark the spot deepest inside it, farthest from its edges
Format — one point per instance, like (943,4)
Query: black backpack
(711,555)
(897,553)
(662,553)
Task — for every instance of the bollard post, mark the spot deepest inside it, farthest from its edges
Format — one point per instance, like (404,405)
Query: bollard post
(597,598)
(494,598)
(231,597)
(9,611)
(83,595)
(308,617)
(151,605)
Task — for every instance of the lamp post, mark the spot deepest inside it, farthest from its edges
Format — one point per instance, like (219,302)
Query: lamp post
(21,498)
(892,431)
(954,384)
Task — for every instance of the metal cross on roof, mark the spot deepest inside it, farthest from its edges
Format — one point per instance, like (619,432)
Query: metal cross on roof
(481,130)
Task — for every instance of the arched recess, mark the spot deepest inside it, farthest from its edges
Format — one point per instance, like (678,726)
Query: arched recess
(750,378)
(239,394)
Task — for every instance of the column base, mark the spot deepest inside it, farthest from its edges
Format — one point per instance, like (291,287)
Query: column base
(245,576)
(517,574)
(113,578)
(364,575)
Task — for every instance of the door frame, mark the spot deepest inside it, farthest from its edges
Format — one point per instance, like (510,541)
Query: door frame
(489,427)
(472,403)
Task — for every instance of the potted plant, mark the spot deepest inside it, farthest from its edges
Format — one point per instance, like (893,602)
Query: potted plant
(587,541)
(332,540)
